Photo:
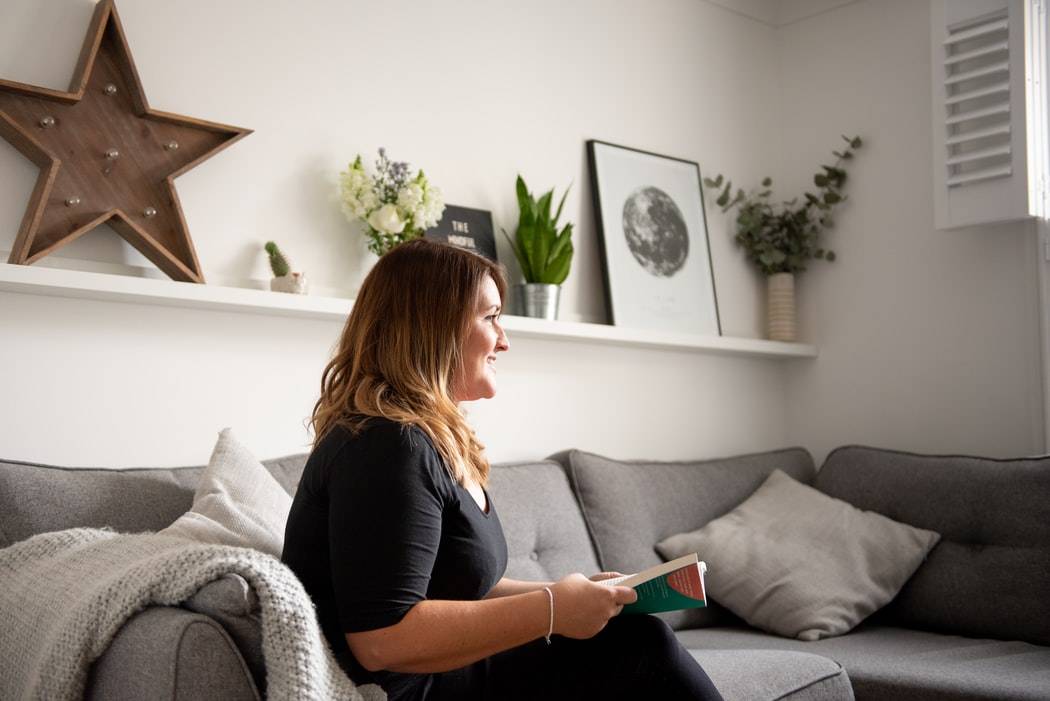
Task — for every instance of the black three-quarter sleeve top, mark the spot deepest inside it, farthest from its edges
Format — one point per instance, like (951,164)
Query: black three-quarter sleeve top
(378,525)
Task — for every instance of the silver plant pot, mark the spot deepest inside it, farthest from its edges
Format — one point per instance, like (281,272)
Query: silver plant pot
(538,300)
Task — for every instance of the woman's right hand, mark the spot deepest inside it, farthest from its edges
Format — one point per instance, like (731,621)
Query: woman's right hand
(582,607)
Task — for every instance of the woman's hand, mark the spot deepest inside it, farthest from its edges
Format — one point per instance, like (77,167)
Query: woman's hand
(583,607)
(604,575)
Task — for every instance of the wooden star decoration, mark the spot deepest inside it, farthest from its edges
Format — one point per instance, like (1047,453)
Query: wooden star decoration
(106,157)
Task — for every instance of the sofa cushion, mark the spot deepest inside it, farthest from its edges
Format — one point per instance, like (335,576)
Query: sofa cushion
(237,502)
(38,498)
(775,675)
(799,563)
(631,505)
(889,664)
(990,574)
(546,537)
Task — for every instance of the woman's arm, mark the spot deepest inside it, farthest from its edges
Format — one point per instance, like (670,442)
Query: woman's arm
(510,587)
(436,636)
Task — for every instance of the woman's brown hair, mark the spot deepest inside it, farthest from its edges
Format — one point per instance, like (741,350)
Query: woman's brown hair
(401,348)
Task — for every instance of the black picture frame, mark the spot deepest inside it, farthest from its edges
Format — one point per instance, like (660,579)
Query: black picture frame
(467,228)
(652,231)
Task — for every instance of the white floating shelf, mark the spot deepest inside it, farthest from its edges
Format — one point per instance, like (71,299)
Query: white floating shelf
(525,327)
(78,284)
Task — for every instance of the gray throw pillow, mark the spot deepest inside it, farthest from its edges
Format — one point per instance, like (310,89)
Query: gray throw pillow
(798,563)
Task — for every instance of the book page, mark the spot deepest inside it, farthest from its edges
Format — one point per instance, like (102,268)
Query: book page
(633,580)
(616,580)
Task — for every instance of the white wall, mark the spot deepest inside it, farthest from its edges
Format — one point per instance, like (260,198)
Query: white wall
(929,340)
(474,92)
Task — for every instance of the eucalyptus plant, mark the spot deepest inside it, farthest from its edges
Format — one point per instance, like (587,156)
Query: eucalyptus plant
(543,251)
(781,237)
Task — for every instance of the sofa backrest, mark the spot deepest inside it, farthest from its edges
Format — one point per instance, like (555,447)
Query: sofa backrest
(631,505)
(546,536)
(989,575)
(38,498)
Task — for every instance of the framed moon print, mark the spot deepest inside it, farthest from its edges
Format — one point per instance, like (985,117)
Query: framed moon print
(653,232)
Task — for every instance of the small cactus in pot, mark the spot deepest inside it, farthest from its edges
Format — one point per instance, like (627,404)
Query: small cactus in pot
(284,280)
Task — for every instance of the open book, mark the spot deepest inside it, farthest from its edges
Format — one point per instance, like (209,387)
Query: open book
(674,585)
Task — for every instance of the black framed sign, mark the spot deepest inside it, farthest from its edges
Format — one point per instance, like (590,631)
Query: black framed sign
(656,258)
(467,228)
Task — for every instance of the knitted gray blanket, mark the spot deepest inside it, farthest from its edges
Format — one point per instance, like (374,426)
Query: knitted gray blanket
(64,595)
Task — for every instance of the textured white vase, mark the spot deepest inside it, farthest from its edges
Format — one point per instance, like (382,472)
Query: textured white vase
(780,307)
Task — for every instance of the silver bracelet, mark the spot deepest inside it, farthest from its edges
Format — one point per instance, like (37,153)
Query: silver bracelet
(550,628)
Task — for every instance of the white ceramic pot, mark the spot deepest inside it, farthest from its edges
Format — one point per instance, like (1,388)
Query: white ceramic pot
(294,283)
(780,307)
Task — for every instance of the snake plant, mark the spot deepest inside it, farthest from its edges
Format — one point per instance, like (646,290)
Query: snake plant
(543,251)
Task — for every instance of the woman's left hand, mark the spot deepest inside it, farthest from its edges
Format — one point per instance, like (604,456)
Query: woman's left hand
(604,575)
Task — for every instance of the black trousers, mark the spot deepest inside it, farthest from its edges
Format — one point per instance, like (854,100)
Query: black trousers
(633,657)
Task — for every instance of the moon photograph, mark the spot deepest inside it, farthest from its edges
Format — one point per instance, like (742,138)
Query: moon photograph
(656,257)
(655,231)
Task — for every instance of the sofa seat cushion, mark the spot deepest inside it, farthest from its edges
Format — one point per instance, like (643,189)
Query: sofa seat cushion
(546,537)
(631,505)
(896,663)
(774,675)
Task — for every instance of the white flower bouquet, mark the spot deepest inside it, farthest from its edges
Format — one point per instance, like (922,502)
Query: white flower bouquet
(393,206)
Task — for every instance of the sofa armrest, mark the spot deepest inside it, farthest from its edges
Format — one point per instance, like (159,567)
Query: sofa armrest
(170,653)
(231,602)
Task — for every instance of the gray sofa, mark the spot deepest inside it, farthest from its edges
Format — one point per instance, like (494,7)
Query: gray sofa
(972,623)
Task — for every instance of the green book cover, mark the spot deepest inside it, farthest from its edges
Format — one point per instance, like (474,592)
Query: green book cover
(672,586)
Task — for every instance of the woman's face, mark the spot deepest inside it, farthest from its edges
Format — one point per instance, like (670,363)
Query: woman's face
(476,379)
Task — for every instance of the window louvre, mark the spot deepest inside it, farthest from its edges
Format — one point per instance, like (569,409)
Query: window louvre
(977,99)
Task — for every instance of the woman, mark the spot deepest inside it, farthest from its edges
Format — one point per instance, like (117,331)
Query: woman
(395,538)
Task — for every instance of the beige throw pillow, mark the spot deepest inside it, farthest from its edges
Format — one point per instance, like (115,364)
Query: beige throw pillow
(795,562)
(238,502)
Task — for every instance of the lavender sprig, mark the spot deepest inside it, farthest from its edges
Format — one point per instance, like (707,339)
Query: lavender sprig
(390,176)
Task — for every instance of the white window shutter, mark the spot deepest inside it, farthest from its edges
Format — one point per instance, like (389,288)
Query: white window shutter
(980,141)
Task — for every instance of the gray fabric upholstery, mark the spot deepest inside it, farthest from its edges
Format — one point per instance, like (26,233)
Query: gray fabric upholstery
(40,498)
(232,602)
(772,675)
(167,654)
(287,470)
(889,664)
(546,537)
(990,574)
(630,505)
